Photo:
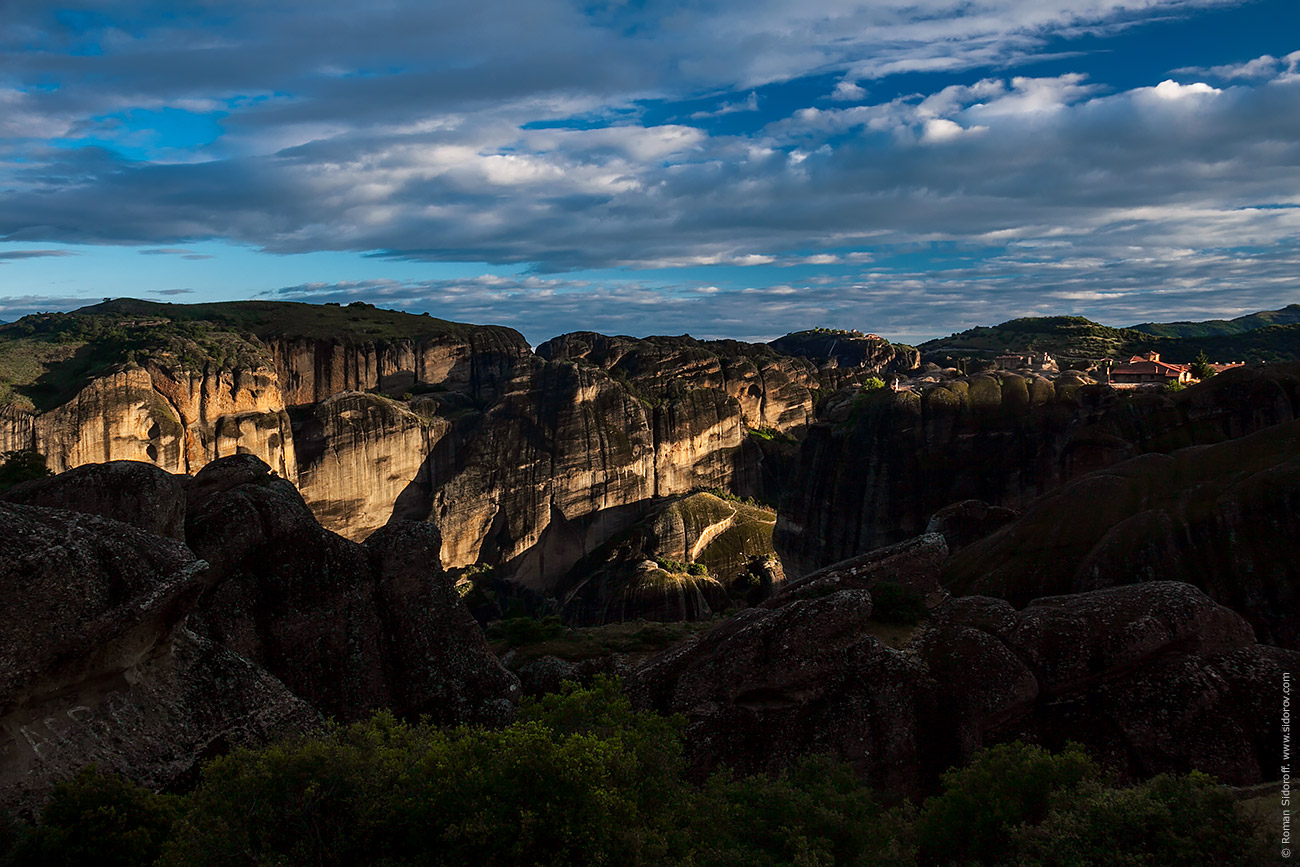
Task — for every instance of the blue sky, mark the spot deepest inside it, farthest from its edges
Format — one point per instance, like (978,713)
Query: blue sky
(728,169)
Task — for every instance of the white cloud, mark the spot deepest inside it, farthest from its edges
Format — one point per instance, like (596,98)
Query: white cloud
(475,132)
(848,91)
(750,103)
(938,130)
(1170,89)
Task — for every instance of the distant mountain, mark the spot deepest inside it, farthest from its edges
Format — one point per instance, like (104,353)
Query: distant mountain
(1289,315)
(1274,337)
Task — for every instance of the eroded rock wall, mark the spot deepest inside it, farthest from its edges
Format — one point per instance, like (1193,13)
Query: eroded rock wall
(358,455)
(881,464)
(474,361)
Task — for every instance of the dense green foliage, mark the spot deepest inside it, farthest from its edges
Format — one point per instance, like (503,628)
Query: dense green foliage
(99,820)
(1201,368)
(21,466)
(1169,822)
(517,631)
(45,359)
(583,778)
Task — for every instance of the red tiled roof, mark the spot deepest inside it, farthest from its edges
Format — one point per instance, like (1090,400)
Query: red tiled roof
(1140,367)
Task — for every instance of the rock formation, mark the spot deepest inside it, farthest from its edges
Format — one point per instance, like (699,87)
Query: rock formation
(1224,517)
(1152,677)
(350,628)
(97,667)
(132,492)
(880,464)
(682,561)
(849,349)
(359,453)
(968,521)
(915,564)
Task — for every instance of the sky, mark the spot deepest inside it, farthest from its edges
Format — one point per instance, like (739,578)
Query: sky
(725,168)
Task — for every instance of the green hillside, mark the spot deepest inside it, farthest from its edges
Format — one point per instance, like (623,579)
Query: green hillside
(1072,338)
(1067,337)
(1289,315)
(290,318)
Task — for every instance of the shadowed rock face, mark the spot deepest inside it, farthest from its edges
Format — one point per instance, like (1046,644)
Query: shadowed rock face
(358,454)
(646,572)
(1224,517)
(915,564)
(849,350)
(876,470)
(1153,678)
(96,666)
(560,462)
(968,521)
(132,492)
(351,628)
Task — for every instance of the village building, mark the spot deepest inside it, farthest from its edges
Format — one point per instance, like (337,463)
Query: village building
(1032,361)
(1148,369)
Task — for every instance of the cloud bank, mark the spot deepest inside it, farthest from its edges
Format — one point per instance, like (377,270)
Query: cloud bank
(543,135)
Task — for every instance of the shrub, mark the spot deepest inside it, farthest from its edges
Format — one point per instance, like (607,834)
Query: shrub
(519,631)
(99,820)
(1003,787)
(1170,821)
(21,466)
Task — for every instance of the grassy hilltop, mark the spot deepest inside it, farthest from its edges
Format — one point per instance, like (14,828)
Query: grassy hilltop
(48,357)
(1269,336)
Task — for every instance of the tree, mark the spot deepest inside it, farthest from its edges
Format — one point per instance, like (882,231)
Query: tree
(1201,367)
(99,820)
(1003,788)
(1168,821)
(21,466)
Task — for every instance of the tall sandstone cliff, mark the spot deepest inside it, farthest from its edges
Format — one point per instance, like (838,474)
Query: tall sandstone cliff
(523,461)
(876,469)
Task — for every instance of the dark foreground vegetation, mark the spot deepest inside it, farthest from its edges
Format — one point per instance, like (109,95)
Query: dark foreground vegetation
(581,778)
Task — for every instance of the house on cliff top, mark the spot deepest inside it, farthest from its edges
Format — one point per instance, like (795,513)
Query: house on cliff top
(1148,369)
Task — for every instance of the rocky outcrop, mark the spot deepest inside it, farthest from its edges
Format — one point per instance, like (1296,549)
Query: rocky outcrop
(350,628)
(114,417)
(1152,678)
(1224,517)
(175,418)
(17,429)
(968,521)
(132,492)
(682,561)
(565,459)
(880,464)
(915,564)
(359,453)
(770,389)
(770,685)
(849,349)
(474,360)
(645,591)
(225,412)
(97,667)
